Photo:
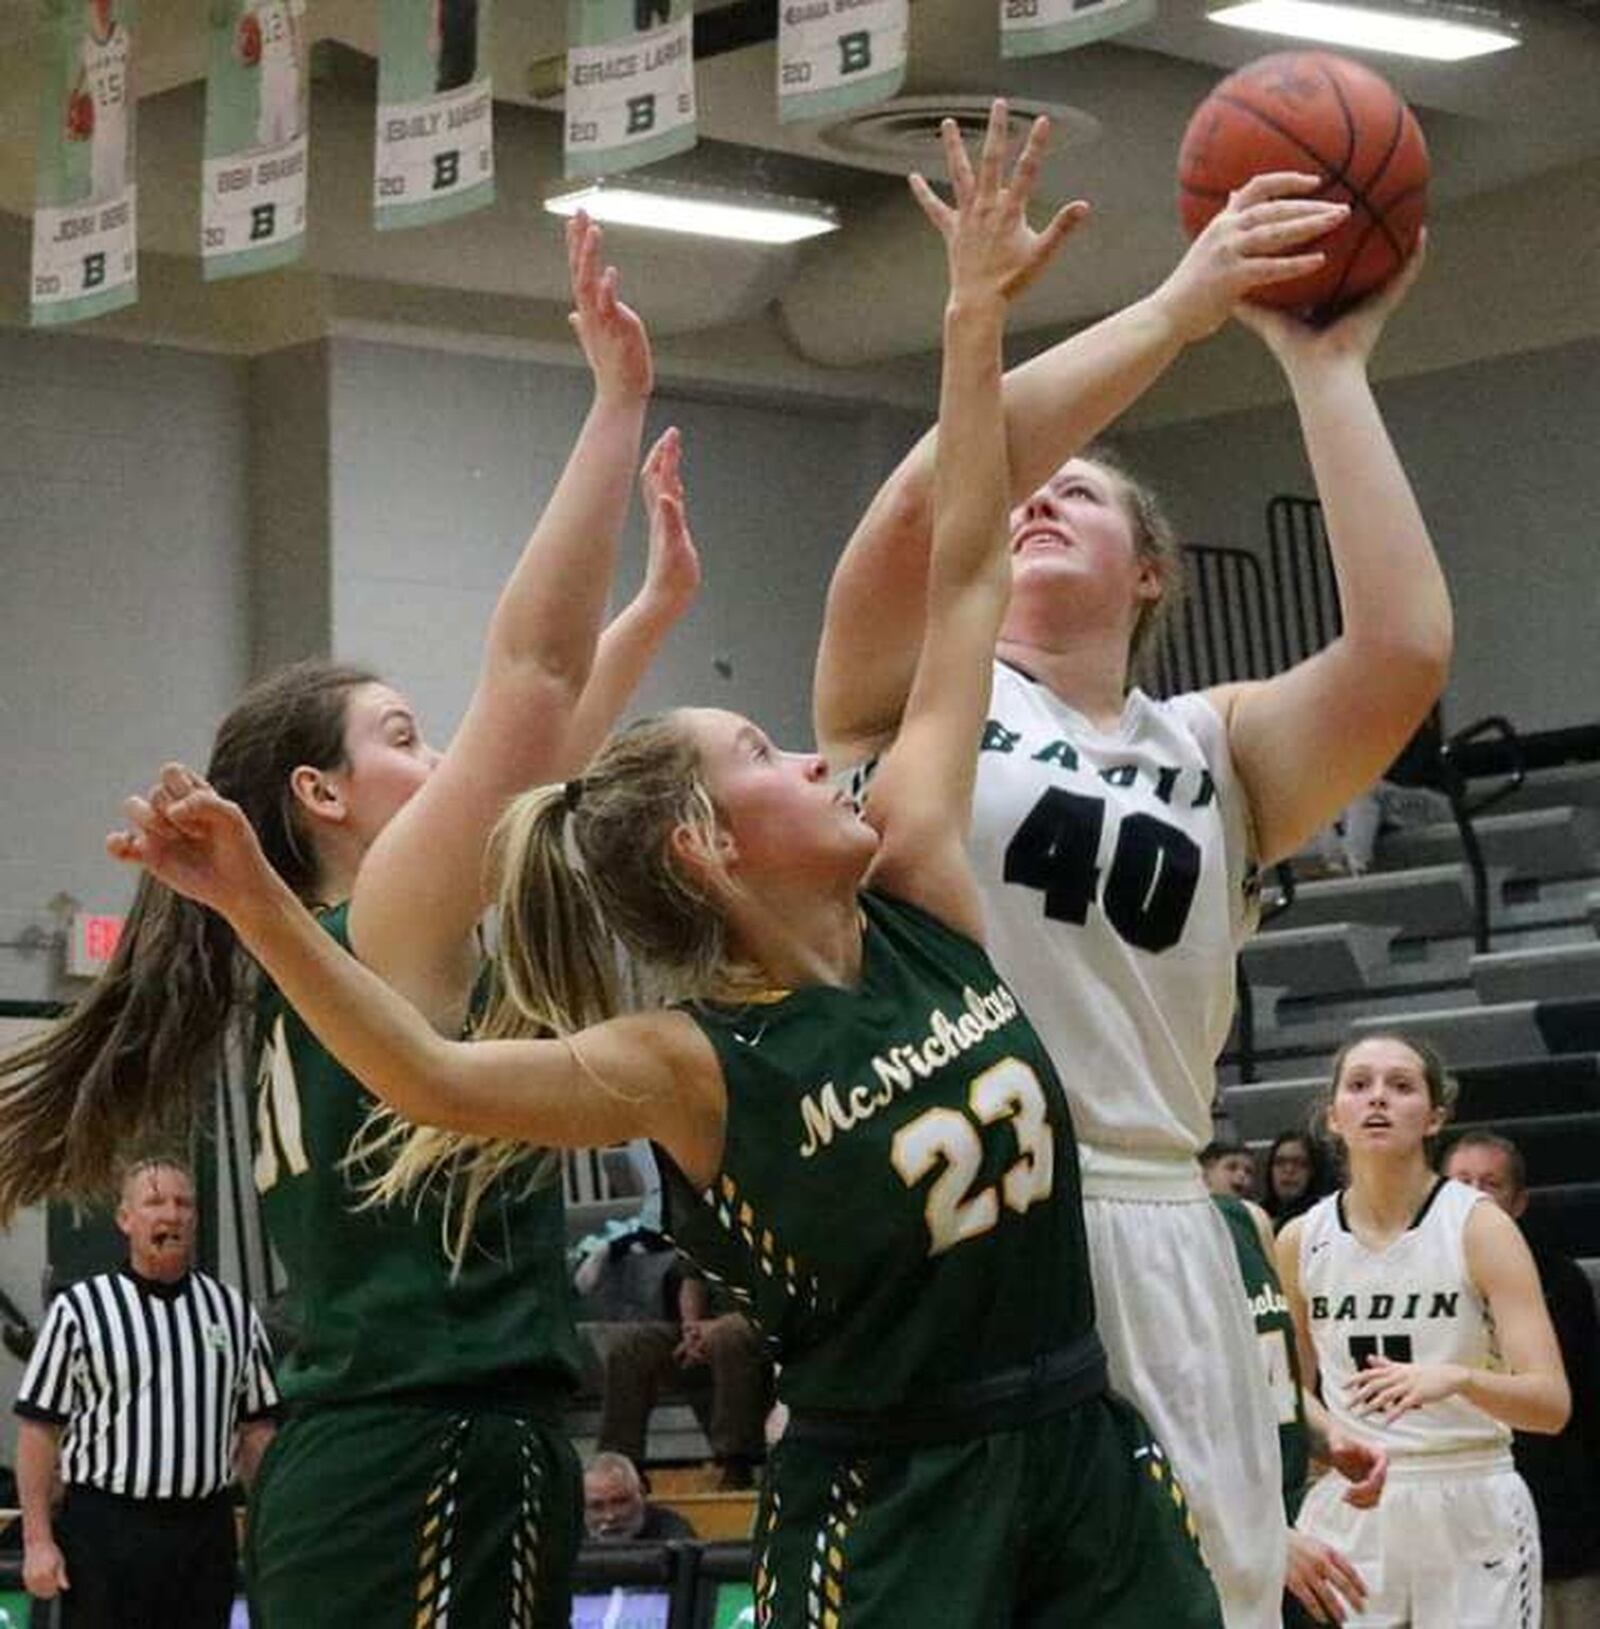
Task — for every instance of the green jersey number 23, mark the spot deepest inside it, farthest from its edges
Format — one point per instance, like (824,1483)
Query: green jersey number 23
(946,1141)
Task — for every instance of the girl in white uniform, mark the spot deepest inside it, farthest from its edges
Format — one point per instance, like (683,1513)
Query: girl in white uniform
(1115,837)
(1419,1305)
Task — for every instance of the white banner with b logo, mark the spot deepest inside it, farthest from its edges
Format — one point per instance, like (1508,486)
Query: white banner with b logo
(85,216)
(435,149)
(253,197)
(630,83)
(836,55)
(1031,28)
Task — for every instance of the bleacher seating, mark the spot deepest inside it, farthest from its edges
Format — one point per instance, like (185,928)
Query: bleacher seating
(1519,1025)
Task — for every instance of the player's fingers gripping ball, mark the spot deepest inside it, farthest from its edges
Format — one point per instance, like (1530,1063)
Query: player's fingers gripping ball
(80,116)
(1320,114)
(250,39)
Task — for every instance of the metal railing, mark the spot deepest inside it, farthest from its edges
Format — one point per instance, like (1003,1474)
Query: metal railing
(1245,617)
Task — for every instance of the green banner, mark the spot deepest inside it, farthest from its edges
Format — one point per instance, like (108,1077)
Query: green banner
(85,218)
(435,147)
(630,83)
(253,188)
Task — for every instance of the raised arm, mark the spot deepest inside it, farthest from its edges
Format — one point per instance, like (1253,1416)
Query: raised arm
(630,642)
(922,795)
(420,888)
(1053,404)
(1528,1391)
(1306,741)
(647,1075)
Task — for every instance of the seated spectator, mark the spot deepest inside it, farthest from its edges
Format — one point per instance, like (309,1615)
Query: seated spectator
(1563,1471)
(709,1353)
(1229,1168)
(626,1275)
(615,1509)
(1298,1174)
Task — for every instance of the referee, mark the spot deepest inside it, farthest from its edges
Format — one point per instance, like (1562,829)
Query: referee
(147,1387)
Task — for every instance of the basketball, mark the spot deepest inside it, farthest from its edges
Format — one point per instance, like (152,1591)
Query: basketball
(1323,114)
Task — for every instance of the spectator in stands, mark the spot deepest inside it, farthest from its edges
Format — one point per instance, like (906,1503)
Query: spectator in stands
(709,1352)
(1562,1472)
(615,1509)
(1298,1175)
(1229,1168)
(626,1275)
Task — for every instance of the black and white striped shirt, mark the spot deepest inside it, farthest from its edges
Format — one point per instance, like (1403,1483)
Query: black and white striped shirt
(150,1381)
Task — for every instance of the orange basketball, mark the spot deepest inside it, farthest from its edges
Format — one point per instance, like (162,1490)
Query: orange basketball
(1325,115)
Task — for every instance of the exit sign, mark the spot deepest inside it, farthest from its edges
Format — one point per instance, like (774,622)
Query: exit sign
(92,943)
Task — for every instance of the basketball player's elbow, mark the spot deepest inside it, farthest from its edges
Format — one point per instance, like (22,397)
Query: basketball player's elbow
(1556,1406)
(1406,665)
(1546,1405)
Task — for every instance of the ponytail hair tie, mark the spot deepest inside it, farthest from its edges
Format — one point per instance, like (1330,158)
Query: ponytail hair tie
(571,792)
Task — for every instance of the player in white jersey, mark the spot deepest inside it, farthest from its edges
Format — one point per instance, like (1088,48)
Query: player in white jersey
(1419,1306)
(103,79)
(1116,836)
(268,39)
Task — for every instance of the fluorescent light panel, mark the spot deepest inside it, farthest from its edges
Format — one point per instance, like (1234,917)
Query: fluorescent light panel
(702,213)
(1403,32)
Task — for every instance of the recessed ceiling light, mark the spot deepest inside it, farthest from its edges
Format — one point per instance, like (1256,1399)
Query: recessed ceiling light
(1440,33)
(702,211)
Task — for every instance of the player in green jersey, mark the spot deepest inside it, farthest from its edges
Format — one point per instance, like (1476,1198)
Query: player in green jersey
(420,1476)
(1323,1585)
(861,1132)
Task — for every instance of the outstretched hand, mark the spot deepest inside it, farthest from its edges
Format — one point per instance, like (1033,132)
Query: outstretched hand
(1350,336)
(672,572)
(1266,233)
(196,842)
(991,248)
(612,335)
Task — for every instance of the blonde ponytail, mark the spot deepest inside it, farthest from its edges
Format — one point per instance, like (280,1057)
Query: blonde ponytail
(555,972)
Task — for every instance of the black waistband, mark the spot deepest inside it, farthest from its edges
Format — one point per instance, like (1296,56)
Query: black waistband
(86,1493)
(545,1406)
(1003,1401)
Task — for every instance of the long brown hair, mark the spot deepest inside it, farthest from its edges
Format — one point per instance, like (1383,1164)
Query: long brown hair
(136,1060)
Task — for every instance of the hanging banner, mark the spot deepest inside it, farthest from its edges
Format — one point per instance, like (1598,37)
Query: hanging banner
(630,83)
(835,55)
(435,151)
(253,197)
(1032,28)
(85,218)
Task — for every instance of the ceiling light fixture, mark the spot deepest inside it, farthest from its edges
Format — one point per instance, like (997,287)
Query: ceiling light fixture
(702,211)
(1439,32)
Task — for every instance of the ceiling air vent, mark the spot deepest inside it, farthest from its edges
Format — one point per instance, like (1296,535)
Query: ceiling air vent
(904,134)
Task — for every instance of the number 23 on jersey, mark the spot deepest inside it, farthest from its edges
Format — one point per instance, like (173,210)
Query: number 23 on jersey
(945,1141)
